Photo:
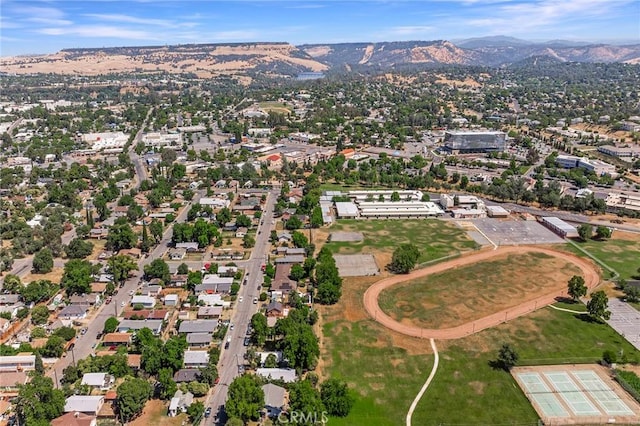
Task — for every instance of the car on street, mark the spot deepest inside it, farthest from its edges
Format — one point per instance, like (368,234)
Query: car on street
(207,412)
(255,300)
(259,287)
(83,331)
(123,303)
(231,326)
(246,341)
(240,299)
(130,292)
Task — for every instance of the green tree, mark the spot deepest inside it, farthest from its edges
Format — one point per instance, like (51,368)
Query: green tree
(54,347)
(271,361)
(259,329)
(585,231)
(78,249)
(395,197)
(12,283)
(195,411)
(78,276)
(120,266)
(245,399)
(39,315)
(576,287)
(404,258)
(38,402)
(597,306)
(248,241)
(299,239)
(67,333)
(243,220)
(305,398)
(297,272)
(183,269)
(110,325)
(38,291)
(507,356)
(336,398)
(168,386)
(146,244)
(293,223)
(43,261)
(156,228)
(133,394)
(198,389)
(603,232)
(121,236)
(158,268)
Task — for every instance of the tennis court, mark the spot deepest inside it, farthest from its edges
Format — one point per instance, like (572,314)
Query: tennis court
(575,394)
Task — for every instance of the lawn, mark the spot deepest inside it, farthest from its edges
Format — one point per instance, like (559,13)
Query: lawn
(456,297)
(275,107)
(619,252)
(435,238)
(386,370)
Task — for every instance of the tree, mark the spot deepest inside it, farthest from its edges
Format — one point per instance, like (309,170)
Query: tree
(38,402)
(67,333)
(316,217)
(245,399)
(303,397)
(271,361)
(146,244)
(54,347)
(248,241)
(198,389)
(77,277)
(43,261)
(121,236)
(603,232)
(297,272)
(133,393)
(12,283)
(110,325)
(507,356)
(577,287)
(195,411)
(168,386)
(39,315)
(158,268)
(259,329)
(38,291)
(156,228)
(78,249)
(299,239)
(597,305)
(336,398)
(293,223)
(395,197)
(119,266)
(243,220)
(404,258)
(39,365)
(183,269)
(585,231)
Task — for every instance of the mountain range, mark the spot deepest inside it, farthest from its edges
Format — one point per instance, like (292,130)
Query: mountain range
(246,60)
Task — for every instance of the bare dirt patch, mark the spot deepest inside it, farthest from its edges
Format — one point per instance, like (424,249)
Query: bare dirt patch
(54,276)
(155,413)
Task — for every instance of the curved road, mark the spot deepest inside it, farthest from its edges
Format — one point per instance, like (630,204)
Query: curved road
(589,272)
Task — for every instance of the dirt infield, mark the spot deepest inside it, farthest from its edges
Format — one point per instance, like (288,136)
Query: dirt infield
(589,272)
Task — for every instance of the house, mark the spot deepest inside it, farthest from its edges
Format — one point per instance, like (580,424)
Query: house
(199,340)
(189,246)
(98,288)
(284,237)
(98,233)
(17,363)
(74,418)
(120,211)
(273,399)
(84,404)
(11,309)
(9,299)
(155,314)
(274,309)
(73,312)
(227,271)
(135,253)
(179,403)
(102,381)
(11,380)
(134,325)
(290,259)
(295,251)
(177,253)
(209,312)
(211,299)
(198,326)
(196,359)
(116,339)
(134,361)
(287,375)
(150,290)
(241,232)
(178,280)
(186,375)
(146,301)
(85,299)
(171,300)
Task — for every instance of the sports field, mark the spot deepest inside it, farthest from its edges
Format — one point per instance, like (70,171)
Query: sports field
(275,107)
(468,293)
(434,238)
(620,252)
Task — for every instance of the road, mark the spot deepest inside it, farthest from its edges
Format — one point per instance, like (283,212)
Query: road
(232,357)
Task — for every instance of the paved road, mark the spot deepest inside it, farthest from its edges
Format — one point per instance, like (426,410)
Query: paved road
(231,358)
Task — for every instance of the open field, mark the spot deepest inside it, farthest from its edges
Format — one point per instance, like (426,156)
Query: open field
(455,297)
(434,238)
(155,413)
(278,107)
(386,369)
(620,252)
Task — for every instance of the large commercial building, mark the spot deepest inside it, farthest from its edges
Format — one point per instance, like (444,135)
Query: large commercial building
(460,142)
(560,227)
(160,140)
(596,166)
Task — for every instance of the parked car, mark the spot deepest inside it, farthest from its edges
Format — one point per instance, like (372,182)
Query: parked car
(240,299)
(255,300)
(246,341)
(207,412)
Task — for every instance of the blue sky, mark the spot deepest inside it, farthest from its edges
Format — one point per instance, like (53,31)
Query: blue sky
(48,26)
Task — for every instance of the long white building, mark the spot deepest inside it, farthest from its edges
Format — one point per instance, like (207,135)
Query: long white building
(105,140)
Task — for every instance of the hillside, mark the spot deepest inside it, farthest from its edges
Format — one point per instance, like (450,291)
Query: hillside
(244,61)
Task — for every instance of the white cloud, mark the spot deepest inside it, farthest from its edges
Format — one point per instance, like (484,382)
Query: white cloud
(98,31)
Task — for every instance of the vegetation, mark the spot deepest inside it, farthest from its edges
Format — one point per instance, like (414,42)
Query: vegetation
(133,393)
(597,306)
(404,258)
(576,288)
(245,399)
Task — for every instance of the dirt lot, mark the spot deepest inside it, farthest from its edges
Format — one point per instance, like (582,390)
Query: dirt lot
(155,413)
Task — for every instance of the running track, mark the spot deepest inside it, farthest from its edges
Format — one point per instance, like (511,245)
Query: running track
(589,273)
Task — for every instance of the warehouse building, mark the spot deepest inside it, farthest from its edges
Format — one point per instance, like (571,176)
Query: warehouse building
(560,227)
(400,209)
(497,211)
(465,142)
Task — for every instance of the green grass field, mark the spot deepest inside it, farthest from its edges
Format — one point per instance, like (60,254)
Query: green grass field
(455,297)
(275,107)
(435,238)
(621,255)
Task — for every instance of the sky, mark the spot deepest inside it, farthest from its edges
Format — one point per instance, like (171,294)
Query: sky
(46,26)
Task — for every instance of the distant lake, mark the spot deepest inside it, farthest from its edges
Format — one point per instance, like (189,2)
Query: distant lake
(309,76)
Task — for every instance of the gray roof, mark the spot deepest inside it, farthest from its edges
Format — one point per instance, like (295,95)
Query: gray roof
(290,259)
(196,357)
(73,310)
(287,375)
(83,403)
(273,395)
(140,324)
(214,288)
(9,299)
(196,338)
(186,375)
(198,326)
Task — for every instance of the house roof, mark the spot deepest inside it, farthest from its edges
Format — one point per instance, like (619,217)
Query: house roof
(186,375)
(196,357)
(274,306)
(198,326)
(94,379)
(145,300)
(73,418)
(273,395)
(9,299)
(10,379)
(83,403)
(290,259)
(158,314)
(140,324)
(210,311)
(73,310)
(196,338)
(134,360)
(116,338)
(287,375)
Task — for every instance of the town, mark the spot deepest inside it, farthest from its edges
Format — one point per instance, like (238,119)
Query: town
(177,249)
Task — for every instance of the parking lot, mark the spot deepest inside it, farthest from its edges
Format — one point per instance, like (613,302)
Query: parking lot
(515,232)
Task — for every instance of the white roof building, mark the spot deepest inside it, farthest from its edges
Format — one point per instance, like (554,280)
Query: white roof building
(287,375)
(84,404)
(346,209)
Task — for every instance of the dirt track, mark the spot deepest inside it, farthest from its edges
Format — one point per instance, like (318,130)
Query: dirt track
(589,272)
